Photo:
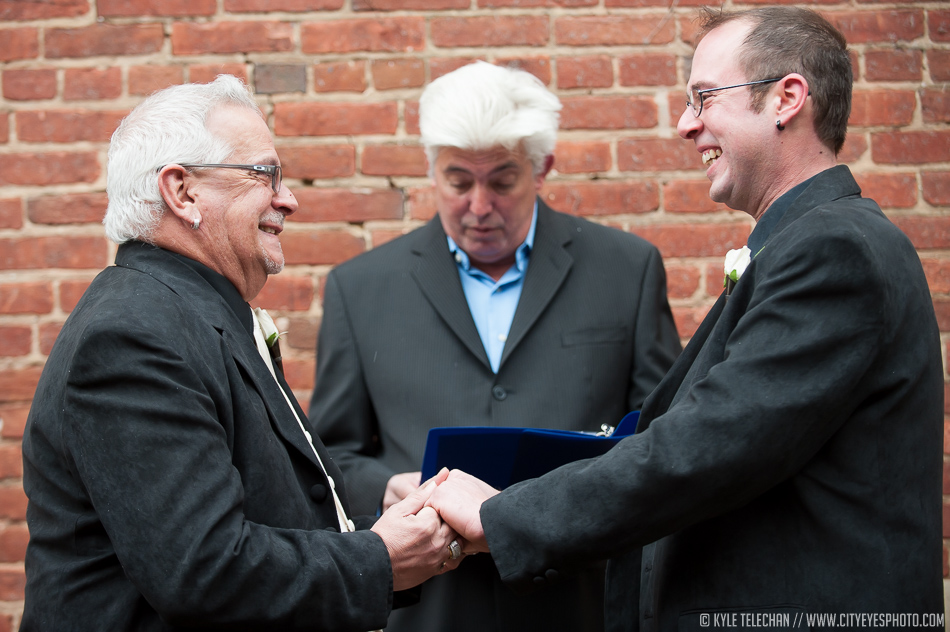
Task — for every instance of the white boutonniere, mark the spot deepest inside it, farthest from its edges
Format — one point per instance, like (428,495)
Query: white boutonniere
(736,263)
(271,334)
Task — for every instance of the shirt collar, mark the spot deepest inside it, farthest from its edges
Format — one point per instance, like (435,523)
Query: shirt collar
(773,215)
(521,254)
(223,287)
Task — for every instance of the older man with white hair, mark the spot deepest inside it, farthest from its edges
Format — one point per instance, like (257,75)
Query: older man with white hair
(499,312)
(173,480)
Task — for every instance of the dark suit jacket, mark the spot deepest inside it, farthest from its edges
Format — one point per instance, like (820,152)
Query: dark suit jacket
(399,353)
(169,484)
(790,462)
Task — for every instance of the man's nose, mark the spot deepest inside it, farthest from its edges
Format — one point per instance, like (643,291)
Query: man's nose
(284,200)
(689,124)
(480,202)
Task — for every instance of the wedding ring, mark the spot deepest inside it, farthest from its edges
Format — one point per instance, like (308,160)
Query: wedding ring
(455,550)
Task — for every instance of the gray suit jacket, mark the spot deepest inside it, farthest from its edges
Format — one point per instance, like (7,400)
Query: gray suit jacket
(169,484)
(789,463)
(399,353)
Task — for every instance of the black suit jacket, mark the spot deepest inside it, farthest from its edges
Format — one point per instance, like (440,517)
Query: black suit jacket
(169,484)
(399,353)
(790,462)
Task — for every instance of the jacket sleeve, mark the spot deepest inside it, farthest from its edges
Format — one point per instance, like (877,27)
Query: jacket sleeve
(341,408)
(147,425)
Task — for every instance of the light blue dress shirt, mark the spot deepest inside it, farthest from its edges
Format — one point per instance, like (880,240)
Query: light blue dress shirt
(493,303)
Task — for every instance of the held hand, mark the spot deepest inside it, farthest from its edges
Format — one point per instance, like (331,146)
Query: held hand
(400,486)
(416,538)
(459,500)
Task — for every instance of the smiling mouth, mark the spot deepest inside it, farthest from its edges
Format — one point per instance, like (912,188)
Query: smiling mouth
(710,155)
(269,229)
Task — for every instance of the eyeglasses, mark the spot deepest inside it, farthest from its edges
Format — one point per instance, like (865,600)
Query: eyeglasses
(272,170)
(698,96)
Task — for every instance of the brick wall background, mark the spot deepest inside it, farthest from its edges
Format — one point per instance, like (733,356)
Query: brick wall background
(339,81)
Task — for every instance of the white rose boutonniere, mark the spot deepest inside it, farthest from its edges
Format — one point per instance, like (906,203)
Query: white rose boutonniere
(736,263)
(271,336)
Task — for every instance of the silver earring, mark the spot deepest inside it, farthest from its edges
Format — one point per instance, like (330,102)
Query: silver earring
(195,224)
(779,125)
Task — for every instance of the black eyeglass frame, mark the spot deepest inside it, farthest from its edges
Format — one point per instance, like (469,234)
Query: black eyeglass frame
(701,94)
(274,171)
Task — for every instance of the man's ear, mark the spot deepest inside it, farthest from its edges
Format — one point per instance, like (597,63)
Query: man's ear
(790,98)
(173,188)
(548,165)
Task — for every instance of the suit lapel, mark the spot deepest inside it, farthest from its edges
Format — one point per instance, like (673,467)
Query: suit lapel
(547,269)
(438,279)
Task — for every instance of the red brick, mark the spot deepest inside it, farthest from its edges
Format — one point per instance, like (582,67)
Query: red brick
(886,25)
(688,319)
(393,160)
(286,292)
(280,78)
(67,126)
(4,127)
(926,231)
(855,146)
(13,541)
(302,333)
(300,375)
(29,84)
(893,65)
(939,63)
(318,161)
(657,154)
(939,25)
(347,205)
(681,281)
(343,36)
(157,8)
(594,71)
(443,66)
(942,311)
(52,167)
(191,38)
(70,292)
(323,247)
(648,70)
(380,237)
(21,10)
(12,502)
(329,119)
(689,196)
(935,105)
(524,4)
(409,5)
(507,30)
(12,581)
(48,334)
(291,6)
(410,116)
(206,73)
(890,190)
(582,156)
(695,239)
(83,84)
(391,74)
(910,147)
(613,30)
(936,186)
(421,203)
(608,113)
(148,79)
(105,39)
(946,562)
(55,251)
(655,3)
(872,108)
(540,67)
(344,76)
(946,520)
(33,297)
(16,385)
(602,198)
(11,459)
(19,43)
(72,208)
(15,340)
(11,213)
(938,274)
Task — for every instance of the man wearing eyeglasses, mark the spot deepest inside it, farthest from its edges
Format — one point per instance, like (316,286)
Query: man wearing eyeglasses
(789,464)
(173,480)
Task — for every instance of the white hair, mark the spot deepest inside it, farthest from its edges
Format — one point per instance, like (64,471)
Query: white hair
(481,106)
(167,127)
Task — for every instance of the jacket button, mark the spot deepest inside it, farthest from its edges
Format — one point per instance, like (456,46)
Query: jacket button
(499,393)
(551,575)
(319,492)
(539,581)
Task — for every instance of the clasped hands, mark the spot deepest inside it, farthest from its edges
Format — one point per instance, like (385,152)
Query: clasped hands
(419,523)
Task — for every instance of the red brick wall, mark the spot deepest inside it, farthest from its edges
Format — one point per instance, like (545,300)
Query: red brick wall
(340,80)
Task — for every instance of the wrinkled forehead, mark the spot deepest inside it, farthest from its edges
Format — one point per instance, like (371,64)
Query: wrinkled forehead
(244,130)
(716,59)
